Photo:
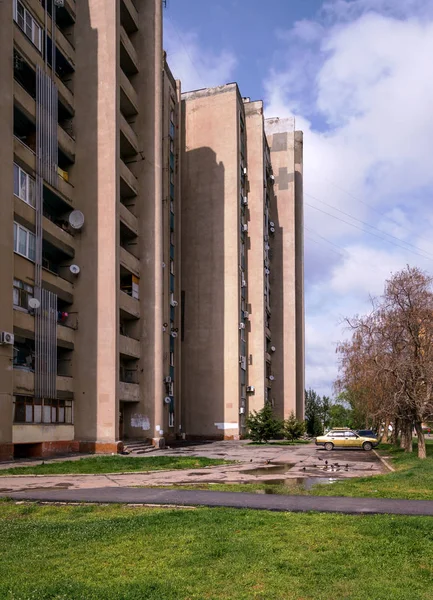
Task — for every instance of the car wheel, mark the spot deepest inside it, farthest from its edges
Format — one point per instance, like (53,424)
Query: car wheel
(329,446)
(367,446)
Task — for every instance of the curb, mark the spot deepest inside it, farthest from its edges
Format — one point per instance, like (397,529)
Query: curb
(384,462)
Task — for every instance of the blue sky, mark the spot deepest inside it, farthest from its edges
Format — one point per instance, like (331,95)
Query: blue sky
(356,74)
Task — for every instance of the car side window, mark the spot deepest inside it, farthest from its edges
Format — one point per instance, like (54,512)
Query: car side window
(350,434)
(337,434)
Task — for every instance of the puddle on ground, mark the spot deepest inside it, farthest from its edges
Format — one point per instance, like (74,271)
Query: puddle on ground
(305,482)
(280,468)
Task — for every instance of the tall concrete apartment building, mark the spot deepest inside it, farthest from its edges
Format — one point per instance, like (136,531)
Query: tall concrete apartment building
(150,258)
(85,235)
(242,263)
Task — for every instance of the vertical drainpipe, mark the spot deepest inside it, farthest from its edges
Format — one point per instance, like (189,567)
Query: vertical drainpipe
(159,281)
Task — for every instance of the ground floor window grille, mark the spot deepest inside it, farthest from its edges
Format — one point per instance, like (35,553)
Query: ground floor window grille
(38,410)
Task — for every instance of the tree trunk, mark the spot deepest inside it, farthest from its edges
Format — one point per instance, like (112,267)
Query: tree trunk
(385,437)
(421,440)
(408,446)
(403,435)
(395,429)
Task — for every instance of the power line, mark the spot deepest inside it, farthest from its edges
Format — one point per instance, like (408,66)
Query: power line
(367,224)
(379,212)
(365,231)
(186,49)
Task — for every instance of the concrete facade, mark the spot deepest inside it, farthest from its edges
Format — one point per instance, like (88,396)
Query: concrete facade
(110,349)
(287,266)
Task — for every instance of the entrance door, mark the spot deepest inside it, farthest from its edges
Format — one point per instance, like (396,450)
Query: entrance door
(121,418)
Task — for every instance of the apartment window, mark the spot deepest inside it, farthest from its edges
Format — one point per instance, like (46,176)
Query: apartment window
(24,242)
(172,267)
(172,238)
(28,24)
(171,359)
(37,410)
(22,292)
(24,186)
(171,419)
(171,147)
(172,176)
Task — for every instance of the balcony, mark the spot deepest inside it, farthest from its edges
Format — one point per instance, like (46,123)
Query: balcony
(128,183)
(128,96)
(129,347)
(24,154)
(128,16)
(128,219)
(24,324)
(66,143)
(128,139)
(129,262)
(128,56)
(129,392)
(129,305)
(33,57)
(24,101)
(24,383)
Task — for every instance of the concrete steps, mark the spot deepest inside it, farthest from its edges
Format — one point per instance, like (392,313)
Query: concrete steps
(138,447)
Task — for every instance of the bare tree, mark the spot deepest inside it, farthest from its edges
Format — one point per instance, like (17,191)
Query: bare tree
(388,363)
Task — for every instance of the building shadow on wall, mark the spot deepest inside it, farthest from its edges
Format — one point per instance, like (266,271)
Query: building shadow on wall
(203,289)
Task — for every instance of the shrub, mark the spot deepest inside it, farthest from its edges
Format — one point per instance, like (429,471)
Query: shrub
(262,425)
(293,429)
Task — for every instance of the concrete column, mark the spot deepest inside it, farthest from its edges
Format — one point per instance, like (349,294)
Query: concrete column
(95,176)
(256,279)
(148,170)
(6,225)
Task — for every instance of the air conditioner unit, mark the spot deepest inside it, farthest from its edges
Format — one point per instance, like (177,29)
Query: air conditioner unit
(273,348)
(167,379)
(244,227)
(271,224)
(244,170)
(251,389)
(173,302)
(272,178)
(271,378)
(6,338)
(246,314)
(272,230)
(241,325)
(243,283)
(242,410)
(267,271)
(245,200)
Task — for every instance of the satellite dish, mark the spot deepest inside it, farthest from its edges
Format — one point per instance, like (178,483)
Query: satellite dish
(174,334)
(74,269)
(167,400)
(76,219)
(34,303)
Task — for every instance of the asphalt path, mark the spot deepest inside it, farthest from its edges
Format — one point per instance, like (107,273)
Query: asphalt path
(230,499)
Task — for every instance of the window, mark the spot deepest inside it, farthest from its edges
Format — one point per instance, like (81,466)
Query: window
(171,419)
(36,410)
(21,294)
(171,359)
(24,186)
(171,238)
(28,24)
(172,176)
(24,242)
(172,267)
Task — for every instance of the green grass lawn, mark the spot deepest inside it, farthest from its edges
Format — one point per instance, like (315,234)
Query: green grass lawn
(115,464)
(412,479)
(130,553)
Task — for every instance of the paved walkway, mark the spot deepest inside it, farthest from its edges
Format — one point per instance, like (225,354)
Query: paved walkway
(231,499)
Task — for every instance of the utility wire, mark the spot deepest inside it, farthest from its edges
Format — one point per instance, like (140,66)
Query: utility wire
(365,231)
(379,212)
(186,50)
(367,224)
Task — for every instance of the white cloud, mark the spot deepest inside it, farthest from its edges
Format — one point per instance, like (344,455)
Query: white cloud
(357,80)
(195,66)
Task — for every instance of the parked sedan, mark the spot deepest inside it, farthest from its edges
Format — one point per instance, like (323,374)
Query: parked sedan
(345,438)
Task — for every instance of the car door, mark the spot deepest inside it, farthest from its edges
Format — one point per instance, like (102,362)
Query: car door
(337,438)
(351,440)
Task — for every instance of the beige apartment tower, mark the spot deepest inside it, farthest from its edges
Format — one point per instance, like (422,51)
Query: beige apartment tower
(242,264)
(84,232)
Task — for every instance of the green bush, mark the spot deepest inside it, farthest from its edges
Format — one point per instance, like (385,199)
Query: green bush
(263,426)
(293,429)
